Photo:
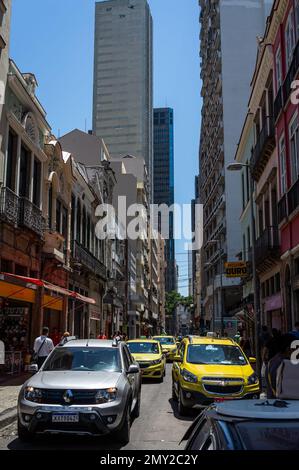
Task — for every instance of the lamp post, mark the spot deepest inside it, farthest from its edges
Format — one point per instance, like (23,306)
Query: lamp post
(218,243)
(257,317)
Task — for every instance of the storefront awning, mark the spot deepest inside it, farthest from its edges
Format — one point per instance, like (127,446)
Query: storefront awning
(47,285)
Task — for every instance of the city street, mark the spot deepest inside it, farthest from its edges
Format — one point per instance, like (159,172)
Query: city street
(158,426)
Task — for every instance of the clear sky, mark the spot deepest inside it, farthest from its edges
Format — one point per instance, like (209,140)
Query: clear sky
(54,40)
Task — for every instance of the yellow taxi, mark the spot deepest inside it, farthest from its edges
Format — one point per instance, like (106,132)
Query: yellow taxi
(149,355)
(169,346)
(207,369)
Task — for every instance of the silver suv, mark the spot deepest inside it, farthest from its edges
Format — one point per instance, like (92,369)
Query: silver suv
(85,387)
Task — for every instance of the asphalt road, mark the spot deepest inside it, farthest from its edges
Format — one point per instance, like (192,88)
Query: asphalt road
(158,427)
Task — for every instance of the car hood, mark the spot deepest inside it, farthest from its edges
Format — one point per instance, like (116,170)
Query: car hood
(217,370)
(146,357)
(77,380)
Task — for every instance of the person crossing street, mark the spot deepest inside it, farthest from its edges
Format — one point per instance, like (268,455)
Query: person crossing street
(43,345)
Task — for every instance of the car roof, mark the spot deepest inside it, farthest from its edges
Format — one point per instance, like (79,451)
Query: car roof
(254,409)
(140,340)
(92,343)
(205,340)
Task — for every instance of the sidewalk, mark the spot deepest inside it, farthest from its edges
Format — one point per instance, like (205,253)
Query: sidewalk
(9,391)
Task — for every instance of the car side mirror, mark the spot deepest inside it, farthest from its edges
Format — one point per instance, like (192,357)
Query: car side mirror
(177,358)
(133,369)
(252,360)
(33,368)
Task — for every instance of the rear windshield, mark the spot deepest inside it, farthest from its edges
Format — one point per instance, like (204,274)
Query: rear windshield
(85,359)
(165,340)
(143,348)
(269,435)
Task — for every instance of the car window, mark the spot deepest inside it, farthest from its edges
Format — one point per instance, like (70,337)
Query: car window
(215,354)
(269,435)
(182,350)
(84,359)
(201,434)
(144,348)
(126,359)
(128,354)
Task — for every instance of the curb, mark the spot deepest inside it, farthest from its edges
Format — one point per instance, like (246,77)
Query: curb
(8,416)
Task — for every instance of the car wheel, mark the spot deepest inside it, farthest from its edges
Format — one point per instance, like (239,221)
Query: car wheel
(23,433)
(123,434)
(182,410)
(174,395)
(136,412)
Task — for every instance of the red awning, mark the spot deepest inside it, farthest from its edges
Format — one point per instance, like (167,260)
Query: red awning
(53,288)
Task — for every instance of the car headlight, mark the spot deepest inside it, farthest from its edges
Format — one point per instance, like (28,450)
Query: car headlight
(33,394)
(188,377)
(253,379)
(106,395)
(158,361)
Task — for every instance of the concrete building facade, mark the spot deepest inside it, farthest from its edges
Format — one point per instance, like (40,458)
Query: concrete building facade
(123,78)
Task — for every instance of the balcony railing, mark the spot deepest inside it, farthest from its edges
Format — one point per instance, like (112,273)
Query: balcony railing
(30,216)
(83,256)
(9,206)
(264,147)
(267,245)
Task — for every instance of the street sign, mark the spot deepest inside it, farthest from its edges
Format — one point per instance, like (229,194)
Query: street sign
(236,269)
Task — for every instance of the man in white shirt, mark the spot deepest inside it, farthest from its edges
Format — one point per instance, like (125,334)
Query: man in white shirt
(43,346)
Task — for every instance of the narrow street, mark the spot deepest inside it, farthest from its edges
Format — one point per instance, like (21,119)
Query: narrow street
(158,426)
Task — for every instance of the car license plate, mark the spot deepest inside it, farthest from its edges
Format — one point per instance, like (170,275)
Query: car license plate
(65,418)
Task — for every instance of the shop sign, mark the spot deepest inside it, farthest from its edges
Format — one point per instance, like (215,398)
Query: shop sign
(236,269)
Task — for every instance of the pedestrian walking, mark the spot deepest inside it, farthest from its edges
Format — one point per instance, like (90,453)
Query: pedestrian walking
(284,352)
(43,345)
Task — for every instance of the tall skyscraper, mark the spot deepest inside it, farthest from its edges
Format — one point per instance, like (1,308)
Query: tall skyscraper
(164,181)
(123,78)
(226,71)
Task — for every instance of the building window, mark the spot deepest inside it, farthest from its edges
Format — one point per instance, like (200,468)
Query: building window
(290,38)
(24,172)
(297,18)
(294,147)
(278,66)
(283,166)
(84,228)
(58,216)
(243,191)
(11,160)
(78,222)
(50,206)
(37,172)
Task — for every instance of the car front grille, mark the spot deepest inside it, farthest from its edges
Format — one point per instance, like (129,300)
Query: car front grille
(80,397)
(223,390)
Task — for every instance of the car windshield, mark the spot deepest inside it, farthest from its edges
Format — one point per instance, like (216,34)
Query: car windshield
(85,359)
(144,348)
(215,354)
(165,340)
(269,435)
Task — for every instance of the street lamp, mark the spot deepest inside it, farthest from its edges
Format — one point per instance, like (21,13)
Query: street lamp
(238,167)
(218,243)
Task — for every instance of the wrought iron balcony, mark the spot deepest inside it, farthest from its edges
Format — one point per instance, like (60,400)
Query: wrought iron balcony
(268,247)
(263,149)
(30,216)
(9,206)
(84,257)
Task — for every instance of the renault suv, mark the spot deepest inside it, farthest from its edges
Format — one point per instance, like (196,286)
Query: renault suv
(85,387)
(207,369)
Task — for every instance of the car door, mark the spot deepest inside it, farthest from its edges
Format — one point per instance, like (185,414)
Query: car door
(177,365)
(133,379)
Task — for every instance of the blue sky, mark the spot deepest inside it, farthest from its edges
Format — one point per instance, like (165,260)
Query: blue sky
(54,40)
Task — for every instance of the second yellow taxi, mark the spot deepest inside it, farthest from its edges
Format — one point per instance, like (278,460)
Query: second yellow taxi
(169,346)
(150,357)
